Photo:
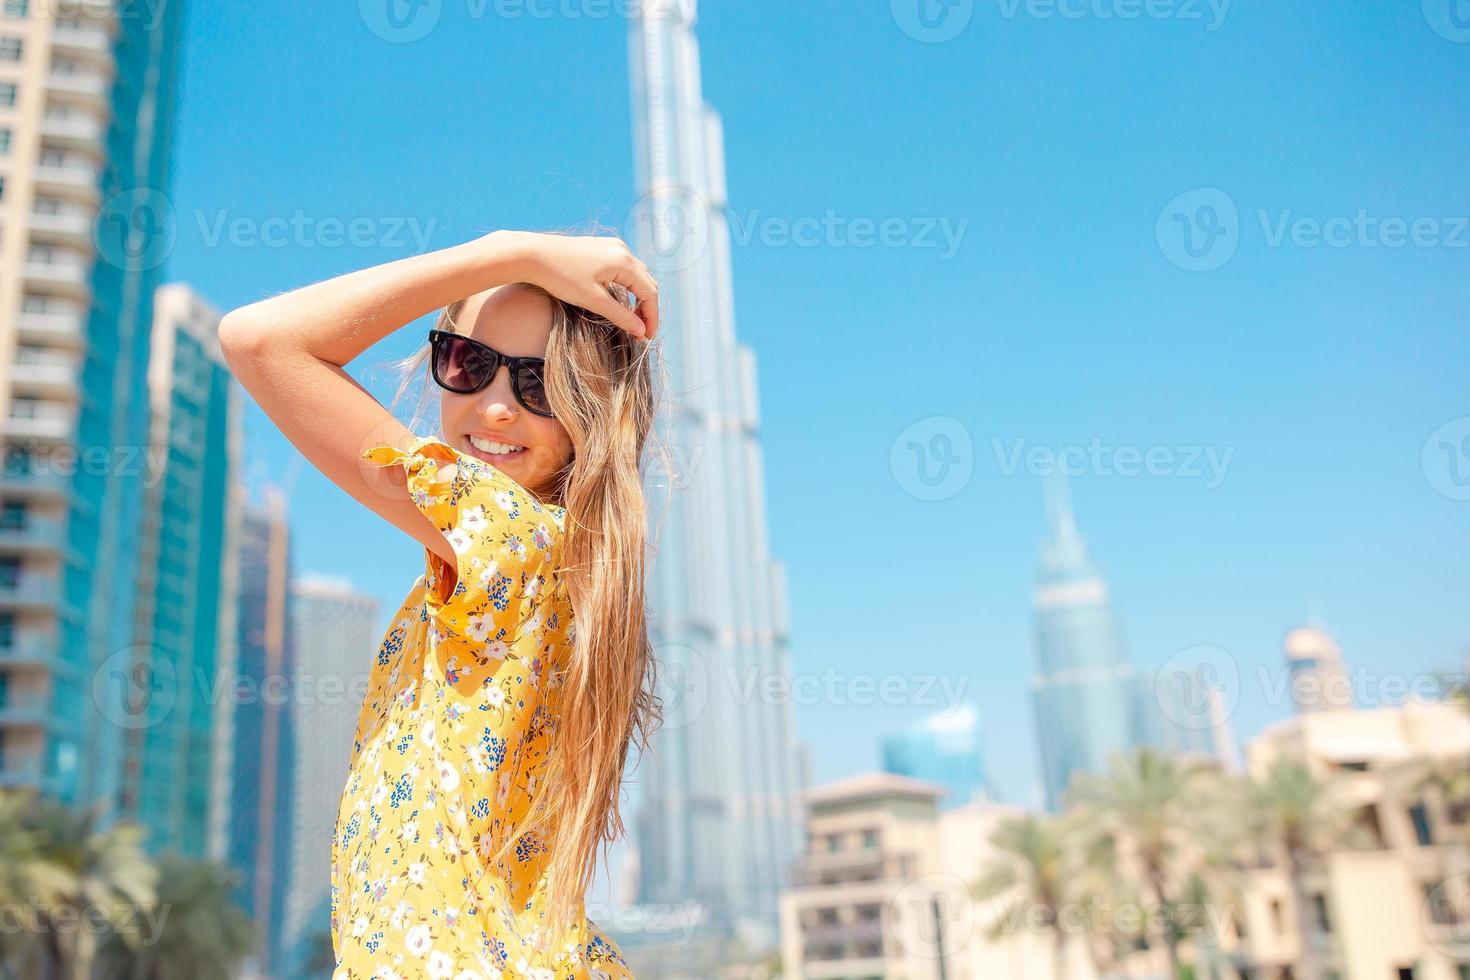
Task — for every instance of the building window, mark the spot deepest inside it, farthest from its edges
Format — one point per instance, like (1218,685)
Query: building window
(4,141)
(7,93)
(1324,918)
(15,9)
(10,48)
(1420,816)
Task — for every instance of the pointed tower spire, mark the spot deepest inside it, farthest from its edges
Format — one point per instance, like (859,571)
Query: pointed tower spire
(1064,549)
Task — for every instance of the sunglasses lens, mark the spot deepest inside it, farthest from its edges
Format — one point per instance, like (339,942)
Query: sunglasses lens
(458,366)
(531,388)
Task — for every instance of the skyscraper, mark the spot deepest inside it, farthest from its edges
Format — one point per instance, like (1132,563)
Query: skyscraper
(338,629)
(720,820)
(1086,695)
(944,749)
(188,575)
(264,747)
(87,94)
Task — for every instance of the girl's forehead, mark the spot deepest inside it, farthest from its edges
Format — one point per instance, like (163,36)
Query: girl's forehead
(510,319)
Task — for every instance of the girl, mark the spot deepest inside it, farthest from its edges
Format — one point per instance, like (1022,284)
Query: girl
(489,751)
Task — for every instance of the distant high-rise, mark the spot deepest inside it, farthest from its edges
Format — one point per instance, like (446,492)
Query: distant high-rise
(188,575)
(1184,713)
(1087,697)
(264,740)
(719,822)
(340,629)
(1319,679)
(87,93)
(944,749)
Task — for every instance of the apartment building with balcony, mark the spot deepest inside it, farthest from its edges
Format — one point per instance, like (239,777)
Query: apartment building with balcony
(87,91)
(882,890)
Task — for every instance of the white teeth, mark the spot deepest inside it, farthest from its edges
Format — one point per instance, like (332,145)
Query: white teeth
(496,448)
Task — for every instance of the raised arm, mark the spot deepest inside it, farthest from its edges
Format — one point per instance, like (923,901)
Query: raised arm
(290,351)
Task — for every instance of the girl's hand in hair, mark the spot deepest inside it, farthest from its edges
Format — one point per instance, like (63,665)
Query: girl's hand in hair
(578,270)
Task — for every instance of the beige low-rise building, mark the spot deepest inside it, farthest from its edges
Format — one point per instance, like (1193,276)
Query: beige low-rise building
(1389,904)
(882,891)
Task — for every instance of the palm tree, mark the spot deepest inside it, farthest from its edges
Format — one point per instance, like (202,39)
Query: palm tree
(1034,871)
(1303,818)
(82,878)
(18,866)
(195,930)
(1151,805)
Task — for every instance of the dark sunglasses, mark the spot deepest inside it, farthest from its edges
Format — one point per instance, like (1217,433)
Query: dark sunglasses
(465,366)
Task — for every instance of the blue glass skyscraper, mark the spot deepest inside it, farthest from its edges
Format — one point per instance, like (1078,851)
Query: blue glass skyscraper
(186,586)
(1085,692)
(264,738)
(946,749)
(86,113)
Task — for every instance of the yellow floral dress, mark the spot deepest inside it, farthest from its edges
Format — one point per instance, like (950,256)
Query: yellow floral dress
(451,746)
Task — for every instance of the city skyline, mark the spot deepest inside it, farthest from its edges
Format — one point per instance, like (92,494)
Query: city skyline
(1301,371)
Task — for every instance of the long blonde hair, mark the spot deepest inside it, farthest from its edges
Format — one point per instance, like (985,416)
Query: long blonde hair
(601,386)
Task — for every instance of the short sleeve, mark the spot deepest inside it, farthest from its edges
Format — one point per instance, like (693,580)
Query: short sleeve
(504,541)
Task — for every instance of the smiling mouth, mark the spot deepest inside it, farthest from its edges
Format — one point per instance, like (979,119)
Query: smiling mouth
(493,450)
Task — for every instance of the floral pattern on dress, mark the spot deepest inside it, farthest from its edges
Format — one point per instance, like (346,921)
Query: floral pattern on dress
(451,747)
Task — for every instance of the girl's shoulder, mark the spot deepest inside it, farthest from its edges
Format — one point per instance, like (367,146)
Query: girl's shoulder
(446,482)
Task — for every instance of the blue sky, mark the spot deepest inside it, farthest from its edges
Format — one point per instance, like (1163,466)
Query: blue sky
(1059,145)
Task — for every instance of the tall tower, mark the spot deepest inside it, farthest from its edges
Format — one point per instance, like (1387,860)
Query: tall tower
(87,93)
(1319,679)
(720,817)
(1087,698)
(187,580)
(264,748)
(340,628)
